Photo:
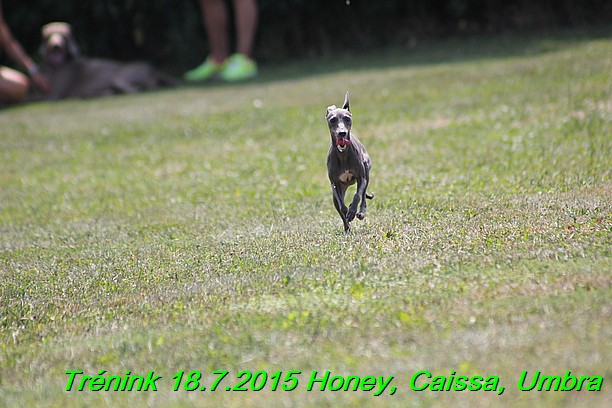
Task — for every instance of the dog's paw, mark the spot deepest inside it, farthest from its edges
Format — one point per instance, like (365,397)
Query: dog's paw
(360,215)
(350,215)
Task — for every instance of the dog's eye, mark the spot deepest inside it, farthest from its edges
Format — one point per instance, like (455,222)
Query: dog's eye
(347,120)
(333,121)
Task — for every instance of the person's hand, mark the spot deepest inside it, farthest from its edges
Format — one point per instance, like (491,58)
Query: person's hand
(40,81)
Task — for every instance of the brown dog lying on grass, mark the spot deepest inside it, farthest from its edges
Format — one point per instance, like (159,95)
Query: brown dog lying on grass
(74,76)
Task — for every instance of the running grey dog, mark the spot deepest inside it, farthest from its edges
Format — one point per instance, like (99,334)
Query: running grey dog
(348,163)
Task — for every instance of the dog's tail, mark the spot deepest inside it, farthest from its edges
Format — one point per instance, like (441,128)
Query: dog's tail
(369,196)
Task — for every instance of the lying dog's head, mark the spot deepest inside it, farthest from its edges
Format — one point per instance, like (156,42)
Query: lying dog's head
(340,121)
(58,45)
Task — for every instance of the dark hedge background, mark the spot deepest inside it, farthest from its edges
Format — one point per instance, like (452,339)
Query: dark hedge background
(170,32)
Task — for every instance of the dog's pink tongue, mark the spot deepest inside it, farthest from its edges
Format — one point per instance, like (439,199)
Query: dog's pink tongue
(340,141)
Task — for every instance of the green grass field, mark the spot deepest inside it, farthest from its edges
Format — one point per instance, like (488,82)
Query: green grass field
(193,230)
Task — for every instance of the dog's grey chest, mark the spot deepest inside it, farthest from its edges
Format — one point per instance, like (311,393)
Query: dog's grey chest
(346,177)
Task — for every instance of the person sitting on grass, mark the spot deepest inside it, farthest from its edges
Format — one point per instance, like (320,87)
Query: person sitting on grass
(235,67)
(14,85)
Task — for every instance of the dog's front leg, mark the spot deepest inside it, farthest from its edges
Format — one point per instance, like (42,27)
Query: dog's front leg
(361,187)
(338,195)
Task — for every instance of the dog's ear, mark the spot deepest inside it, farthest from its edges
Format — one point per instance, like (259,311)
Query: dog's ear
(329,109)
(44,32)
(73,48)
(346,103)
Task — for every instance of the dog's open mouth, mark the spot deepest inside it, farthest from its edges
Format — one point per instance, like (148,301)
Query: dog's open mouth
(56,56)
(342,143)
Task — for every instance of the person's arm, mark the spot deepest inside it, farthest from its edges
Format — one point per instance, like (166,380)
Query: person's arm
(15,51)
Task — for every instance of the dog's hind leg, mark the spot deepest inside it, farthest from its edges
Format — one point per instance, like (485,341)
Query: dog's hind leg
(362,209)
(362,184)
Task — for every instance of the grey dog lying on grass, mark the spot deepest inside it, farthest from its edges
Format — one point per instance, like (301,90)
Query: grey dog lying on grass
(348,163)
(74,76)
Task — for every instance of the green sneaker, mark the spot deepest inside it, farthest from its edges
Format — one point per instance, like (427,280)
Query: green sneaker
(238,67)
(205,70)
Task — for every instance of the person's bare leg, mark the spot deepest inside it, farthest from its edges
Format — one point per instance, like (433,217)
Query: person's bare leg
(215,16)
(13,85)
(246,17)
